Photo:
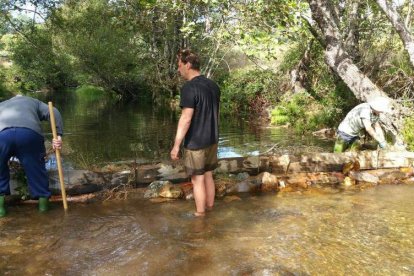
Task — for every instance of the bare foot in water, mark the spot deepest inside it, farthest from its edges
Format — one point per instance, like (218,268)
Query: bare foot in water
(199,214)
(209,208)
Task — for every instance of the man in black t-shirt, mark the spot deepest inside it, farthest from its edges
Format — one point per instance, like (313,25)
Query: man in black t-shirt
(198,127)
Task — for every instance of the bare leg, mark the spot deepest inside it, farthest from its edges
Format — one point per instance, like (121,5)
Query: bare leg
(199,191)
(210,189)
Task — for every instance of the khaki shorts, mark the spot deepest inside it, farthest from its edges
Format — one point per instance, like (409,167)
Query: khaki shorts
(197,162)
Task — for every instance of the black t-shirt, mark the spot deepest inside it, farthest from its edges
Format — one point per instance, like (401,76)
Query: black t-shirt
(203,95)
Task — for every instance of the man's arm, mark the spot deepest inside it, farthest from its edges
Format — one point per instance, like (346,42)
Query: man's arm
(376,133)
(379,131)
(43,111)
(183,126)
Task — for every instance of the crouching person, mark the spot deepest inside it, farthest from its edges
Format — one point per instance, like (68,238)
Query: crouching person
(21,136)
(364,116)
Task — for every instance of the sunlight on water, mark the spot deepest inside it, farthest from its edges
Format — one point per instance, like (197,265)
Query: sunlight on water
(346,233)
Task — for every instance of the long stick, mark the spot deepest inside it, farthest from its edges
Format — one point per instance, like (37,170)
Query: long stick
(59,163)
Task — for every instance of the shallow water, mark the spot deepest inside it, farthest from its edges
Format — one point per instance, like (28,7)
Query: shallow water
(339,233)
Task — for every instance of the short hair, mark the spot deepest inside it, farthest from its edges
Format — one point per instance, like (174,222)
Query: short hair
(188,56)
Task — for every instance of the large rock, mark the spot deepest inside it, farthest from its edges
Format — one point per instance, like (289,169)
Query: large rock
(268,182)
(187,188)
(364,176)
(329,162)
(172,173)
(77,182)
(171,191)
(154,188)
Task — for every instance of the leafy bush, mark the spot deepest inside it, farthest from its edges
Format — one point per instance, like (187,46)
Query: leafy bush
(4,91)
(36,65)
(324,103)
(294,112)
(304,113)
(249,91)
(408,132)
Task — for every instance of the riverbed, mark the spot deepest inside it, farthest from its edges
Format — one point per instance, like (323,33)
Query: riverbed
(369,232)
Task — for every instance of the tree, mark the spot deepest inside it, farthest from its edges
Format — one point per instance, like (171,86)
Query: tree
(337,57)
(339,60)
(399,26)
(105,51)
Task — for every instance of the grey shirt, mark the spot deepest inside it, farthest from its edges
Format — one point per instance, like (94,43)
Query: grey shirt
(352,124)
(27,112)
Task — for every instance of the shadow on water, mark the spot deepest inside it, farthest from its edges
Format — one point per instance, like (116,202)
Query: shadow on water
(354,233)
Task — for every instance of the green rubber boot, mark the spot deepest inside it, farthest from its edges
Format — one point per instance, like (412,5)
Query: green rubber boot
(43,204)
(340,145)
(2,208)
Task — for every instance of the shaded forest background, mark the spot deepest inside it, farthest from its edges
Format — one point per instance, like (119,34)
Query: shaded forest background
(284,61)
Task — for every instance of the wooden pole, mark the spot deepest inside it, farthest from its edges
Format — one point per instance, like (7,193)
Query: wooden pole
(59,163)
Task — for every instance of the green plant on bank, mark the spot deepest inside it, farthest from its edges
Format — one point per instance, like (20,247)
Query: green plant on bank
(249,91)
(86,161)
(304,113)
(92,94)
(22,188)
(408,132)
(323,103)
(4,91)
(293,112)
(137,148)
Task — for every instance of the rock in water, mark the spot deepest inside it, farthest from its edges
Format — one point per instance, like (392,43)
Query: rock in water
(348,182)
(351,166)
(364,177)
(171,191)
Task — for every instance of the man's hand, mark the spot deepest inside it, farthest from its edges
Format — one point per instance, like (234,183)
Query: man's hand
(57,143)
(183,126)
(174,153)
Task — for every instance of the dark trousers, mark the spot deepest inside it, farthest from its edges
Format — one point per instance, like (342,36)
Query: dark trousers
(28,146)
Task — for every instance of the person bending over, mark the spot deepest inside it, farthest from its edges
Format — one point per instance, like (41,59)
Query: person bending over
(364,116)
(21,136)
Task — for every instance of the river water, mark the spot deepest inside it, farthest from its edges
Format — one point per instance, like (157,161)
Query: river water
(99,131)
(368,232)
(332,232)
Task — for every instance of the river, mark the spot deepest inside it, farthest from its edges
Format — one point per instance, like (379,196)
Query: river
(339,233)
(99,131)
(315,232)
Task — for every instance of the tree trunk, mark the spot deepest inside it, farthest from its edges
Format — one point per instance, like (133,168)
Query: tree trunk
(341,63)
(399,26)
(352,36)
(336,56)
(298,75)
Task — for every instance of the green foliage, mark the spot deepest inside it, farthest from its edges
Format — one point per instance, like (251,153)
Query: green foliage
(35,63)
(129,47)
(20,177)
(408,132)
(326,100)
(4,91)
(104,48)
(294,111)
(292,57)
(246,91)
(91,94)
(304,113)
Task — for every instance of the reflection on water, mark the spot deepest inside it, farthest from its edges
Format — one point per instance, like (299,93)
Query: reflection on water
(97,130)
(348,233)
